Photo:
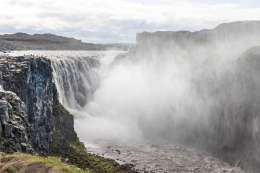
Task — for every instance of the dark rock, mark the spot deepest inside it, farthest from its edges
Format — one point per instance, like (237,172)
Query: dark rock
(32,120)
(14,126)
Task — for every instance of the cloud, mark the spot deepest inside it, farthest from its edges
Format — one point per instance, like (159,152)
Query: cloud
(119,19)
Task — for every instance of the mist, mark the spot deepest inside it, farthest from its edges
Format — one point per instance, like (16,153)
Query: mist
(171,95)
(131,95)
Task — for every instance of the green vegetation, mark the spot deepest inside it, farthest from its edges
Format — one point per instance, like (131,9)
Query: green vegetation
(77,145)
(95,163)
(77,155)
(67,145)
(20,163)
(87,163)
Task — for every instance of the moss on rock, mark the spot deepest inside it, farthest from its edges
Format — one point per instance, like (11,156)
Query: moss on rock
(67,145)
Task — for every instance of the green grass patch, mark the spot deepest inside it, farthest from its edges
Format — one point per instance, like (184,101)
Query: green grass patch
(18,162)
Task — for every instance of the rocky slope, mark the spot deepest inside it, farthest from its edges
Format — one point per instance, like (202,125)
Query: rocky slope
(23,41)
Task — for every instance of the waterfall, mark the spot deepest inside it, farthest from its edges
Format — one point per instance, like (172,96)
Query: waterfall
(77,76)
(209,104)
(76,79)
(144,100)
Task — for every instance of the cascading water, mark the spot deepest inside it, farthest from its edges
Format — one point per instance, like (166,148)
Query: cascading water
(143,100)
(140,101)
(123,101)
(77,76)
(76,80)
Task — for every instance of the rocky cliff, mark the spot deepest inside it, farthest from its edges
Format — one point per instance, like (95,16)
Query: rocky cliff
(241,35)
(14,126)
(224,65)
(32,120)
(30,111)
(233,129)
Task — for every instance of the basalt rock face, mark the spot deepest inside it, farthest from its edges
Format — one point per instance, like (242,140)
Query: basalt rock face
(14,124)
(31,79)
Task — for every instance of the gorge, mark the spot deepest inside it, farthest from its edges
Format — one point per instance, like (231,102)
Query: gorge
(172,92)
(34,121)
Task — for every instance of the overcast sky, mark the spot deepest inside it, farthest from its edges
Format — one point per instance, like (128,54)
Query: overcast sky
(119,20)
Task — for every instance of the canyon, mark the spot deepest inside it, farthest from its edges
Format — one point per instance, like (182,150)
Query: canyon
(177,102)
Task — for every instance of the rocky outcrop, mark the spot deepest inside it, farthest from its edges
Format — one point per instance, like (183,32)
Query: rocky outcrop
(31,79)
(14,124)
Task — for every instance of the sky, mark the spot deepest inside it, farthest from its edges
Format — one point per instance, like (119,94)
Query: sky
(106,21)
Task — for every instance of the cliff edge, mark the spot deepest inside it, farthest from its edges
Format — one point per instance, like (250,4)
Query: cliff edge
(32,120)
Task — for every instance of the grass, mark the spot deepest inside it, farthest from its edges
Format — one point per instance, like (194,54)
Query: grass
(25,163)
(78,146)
(67,145)
(95,163)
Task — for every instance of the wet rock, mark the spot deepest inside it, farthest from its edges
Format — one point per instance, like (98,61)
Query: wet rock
(30,113)
(165,158)
(14,125)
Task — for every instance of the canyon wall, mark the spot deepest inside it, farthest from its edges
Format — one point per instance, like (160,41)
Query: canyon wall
(223,74)
(32,118)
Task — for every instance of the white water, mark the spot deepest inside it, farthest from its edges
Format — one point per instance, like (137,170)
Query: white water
(77,80)
(82,81)
(107,101)
(132,103)
(153,101)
